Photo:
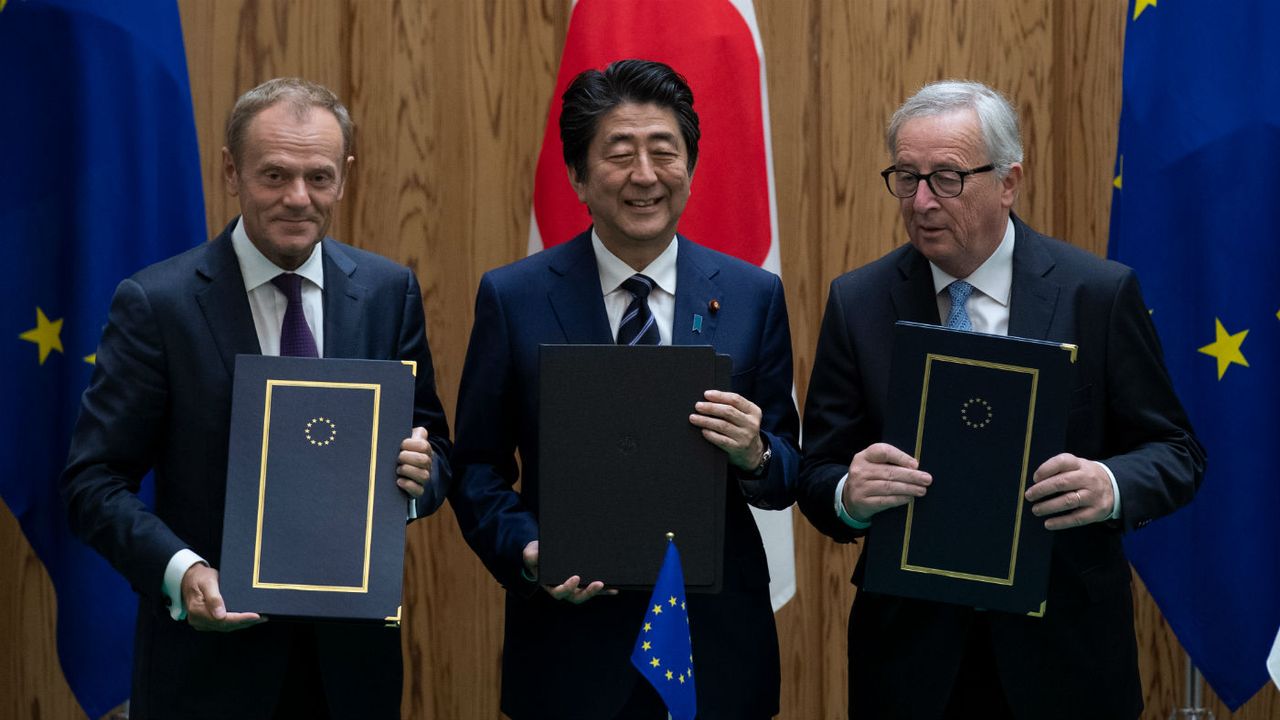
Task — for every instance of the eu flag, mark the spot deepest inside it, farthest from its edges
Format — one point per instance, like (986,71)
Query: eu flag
(663,653)
(1197,187)
(101,177)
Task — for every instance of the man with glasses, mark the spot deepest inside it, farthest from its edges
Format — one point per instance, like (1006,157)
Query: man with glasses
(1131,455)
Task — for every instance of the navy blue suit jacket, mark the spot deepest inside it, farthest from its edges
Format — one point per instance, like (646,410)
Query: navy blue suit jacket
(160,399)
(567,661)
(1080,660)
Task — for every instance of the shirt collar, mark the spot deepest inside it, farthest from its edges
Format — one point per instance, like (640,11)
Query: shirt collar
(993,278)
(257,270)
(613,270)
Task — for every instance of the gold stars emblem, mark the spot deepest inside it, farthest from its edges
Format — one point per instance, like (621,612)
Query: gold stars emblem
(670,674)
(321,431)
(646,645)
(657,609)
(655,662)
(672,601)
(47,335)
(976,413)
(1226,348)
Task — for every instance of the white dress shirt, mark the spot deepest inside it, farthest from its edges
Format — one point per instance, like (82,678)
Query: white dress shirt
(988,309)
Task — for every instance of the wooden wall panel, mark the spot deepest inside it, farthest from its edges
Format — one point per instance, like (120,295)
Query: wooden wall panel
(450,99)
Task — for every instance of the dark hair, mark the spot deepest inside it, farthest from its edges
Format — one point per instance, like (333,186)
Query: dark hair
(594,94)
(301,95)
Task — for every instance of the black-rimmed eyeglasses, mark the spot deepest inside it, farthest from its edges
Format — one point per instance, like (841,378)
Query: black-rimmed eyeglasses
(943,183)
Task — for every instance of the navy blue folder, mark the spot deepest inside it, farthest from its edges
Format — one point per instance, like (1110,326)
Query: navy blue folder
(314,523)
(980,413)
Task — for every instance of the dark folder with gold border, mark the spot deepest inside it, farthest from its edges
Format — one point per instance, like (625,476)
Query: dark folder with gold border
(980,413)
(314,523)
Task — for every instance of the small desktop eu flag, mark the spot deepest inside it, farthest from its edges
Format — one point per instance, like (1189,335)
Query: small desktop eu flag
(663,653)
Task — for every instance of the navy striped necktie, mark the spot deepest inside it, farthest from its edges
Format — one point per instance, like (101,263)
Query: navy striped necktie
(296,339)
(638,326)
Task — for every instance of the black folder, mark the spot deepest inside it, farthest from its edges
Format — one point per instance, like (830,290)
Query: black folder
(980,413)
(620,465)
(314,524)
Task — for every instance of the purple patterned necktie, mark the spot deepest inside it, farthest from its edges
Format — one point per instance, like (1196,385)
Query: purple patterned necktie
(296,339)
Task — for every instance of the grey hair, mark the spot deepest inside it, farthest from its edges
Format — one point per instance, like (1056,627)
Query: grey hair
(302,95)
(996,117)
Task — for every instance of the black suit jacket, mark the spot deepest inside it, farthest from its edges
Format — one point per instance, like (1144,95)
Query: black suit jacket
(566,661)
(1079,660)
(160,400)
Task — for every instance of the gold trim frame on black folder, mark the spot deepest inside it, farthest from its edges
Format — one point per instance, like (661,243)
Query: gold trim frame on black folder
(979,413)
(363,587)
(1034,374)
(314,523)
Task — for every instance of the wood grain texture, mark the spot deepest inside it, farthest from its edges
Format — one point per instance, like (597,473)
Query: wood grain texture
(450,98)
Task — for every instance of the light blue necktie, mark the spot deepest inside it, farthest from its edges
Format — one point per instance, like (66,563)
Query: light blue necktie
(959,317)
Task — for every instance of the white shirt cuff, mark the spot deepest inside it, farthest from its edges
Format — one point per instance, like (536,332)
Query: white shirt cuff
(1115,492)
(844,516)
(178,566)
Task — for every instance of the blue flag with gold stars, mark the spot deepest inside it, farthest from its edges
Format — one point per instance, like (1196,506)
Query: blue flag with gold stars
(663,652)
(101,178)
(1194,211)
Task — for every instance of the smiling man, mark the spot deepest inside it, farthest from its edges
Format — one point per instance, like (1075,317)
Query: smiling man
(271,283)
(1130,452)
(630,139)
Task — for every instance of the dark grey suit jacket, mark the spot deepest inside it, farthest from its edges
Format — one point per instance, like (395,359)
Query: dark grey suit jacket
(1079,660)
(160,400)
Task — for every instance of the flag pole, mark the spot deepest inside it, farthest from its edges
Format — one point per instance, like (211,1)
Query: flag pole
(1192,696)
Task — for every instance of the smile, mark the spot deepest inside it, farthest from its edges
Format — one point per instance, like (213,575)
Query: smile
(642,203)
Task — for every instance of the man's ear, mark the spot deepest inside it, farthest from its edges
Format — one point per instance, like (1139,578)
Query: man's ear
(1010,184)
(230,177)
(579,186)
(346,173)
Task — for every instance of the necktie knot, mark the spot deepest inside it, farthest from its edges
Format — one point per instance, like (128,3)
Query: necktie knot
(638,285)
(959,316)
(290,284)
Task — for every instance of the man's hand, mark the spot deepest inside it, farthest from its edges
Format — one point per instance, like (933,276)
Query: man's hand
(881,477)
(567,590)
(1077,487)
(205,609)
(414,470)
(731,423)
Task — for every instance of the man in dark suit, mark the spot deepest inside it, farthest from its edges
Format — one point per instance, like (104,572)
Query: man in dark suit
(630,143)
(160,400)
(1131,455)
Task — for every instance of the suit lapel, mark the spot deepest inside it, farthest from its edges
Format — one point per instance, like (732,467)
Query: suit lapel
(1033,297)
(343,303)
(225,304)
(693,322)
(913,295)
(575,296)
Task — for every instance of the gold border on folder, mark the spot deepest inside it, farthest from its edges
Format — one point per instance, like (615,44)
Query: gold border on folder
(1007,580)
(363,587)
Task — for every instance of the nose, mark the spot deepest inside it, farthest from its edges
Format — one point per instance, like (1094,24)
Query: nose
(295,193)
(642,173)
(924,199)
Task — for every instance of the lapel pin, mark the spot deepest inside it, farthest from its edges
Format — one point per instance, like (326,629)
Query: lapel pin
(714,306)
(697,323)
